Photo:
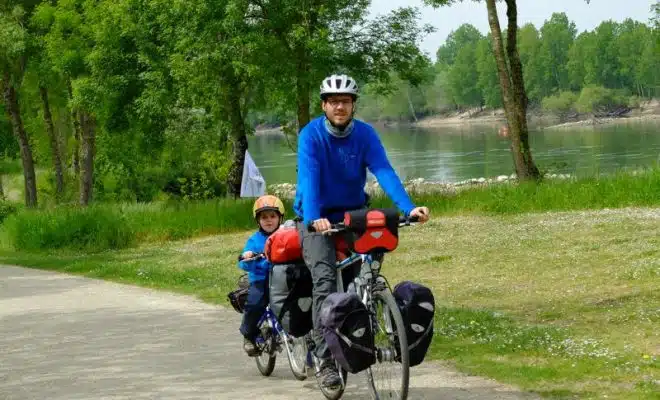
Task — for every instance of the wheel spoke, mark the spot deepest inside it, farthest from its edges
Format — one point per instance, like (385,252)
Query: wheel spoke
(388,378)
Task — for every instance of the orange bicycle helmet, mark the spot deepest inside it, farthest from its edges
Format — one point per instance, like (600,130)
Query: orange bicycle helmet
(268,202)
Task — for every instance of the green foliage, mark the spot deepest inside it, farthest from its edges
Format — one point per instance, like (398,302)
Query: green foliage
(622,56)
(119,225)
(93,228)
(560,103)
(113,226)
(619,190)
(596,98)
(557,36)
(174,87)
(488,82)
(6,209)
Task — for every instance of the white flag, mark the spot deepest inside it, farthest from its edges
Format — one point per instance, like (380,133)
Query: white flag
(253,184)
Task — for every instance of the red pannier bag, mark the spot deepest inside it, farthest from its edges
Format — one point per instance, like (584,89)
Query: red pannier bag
(373,230)
(283,246)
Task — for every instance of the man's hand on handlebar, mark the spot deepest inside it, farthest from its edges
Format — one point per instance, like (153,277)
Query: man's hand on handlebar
(422,213)
(321,225)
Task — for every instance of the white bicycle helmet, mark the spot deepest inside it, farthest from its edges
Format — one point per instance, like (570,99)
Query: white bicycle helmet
(338,84)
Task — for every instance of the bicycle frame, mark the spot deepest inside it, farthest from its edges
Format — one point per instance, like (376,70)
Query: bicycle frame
(269,317)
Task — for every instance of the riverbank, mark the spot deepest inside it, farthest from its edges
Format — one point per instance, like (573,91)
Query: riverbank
(647,111)
(421,186)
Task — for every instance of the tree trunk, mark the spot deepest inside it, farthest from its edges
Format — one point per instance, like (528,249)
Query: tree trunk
(14,114)
(88,126)
(410,104)
(302,88)
(238,139)
(76,133)
(2,189)
(54,143)
(513,89)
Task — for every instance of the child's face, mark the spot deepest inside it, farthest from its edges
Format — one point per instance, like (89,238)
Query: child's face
(269,221)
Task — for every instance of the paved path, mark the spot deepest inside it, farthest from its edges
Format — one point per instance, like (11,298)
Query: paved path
(65,337)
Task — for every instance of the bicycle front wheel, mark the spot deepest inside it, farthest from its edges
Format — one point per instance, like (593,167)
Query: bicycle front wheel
(296,350)
(266,358)
(388,378)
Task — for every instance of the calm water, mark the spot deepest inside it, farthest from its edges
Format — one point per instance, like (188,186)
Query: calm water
(452,154)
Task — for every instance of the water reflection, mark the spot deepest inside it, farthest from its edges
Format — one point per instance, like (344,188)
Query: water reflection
(451,154)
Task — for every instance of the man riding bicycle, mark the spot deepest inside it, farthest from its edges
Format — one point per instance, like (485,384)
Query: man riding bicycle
(334,153)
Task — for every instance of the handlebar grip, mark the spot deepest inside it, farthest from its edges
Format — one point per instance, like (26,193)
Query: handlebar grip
(408,220)
(254,257)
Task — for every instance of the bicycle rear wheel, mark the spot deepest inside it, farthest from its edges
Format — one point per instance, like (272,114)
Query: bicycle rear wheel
(388,378)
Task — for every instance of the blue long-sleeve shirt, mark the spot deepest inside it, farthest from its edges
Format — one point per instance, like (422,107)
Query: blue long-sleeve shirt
(257,269)
(332,172)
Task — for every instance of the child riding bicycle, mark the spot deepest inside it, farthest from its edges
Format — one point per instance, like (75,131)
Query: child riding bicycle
(268,211)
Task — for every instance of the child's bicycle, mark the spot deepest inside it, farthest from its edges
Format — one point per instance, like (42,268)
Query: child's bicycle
(388,377)
(272,339)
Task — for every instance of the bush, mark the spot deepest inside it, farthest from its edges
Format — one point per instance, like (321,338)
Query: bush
(560,103)
(6,209)
(598,98)
(634,102)
(92,228)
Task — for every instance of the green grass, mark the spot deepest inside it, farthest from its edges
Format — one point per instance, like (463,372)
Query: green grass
(564,304)
(113,226)
(614,191)
(116,226)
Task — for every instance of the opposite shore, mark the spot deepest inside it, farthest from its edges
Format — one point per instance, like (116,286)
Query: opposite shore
(648,111)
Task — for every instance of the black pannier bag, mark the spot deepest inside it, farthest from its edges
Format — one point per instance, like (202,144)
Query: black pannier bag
(346,328)
(238,297)
(417,306)
(290,288)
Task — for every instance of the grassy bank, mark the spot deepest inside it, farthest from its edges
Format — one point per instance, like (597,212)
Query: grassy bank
(564,304)
(113,226)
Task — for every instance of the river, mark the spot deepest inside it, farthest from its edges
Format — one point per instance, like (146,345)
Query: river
(455,153)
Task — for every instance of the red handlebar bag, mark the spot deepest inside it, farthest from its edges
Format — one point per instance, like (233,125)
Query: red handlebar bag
(373,230)
(283,246)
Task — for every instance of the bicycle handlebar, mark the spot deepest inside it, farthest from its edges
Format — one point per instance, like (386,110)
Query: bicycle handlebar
(254,257)
(340,227)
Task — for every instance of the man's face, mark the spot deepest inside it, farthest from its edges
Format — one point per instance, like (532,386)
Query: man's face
(338,108)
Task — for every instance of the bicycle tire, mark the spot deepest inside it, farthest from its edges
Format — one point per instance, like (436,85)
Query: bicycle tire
(397,334)
(334,394)
(266,359)
(297,364)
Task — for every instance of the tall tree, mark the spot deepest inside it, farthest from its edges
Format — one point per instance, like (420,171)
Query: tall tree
(557,36)
(529,47)
(45,76)
(314,39)
(465,34)
(217,73)
(488,82)
(510,74)
(14,51)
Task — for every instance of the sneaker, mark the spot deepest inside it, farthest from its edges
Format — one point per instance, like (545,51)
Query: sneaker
(250,348)
(328,375)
